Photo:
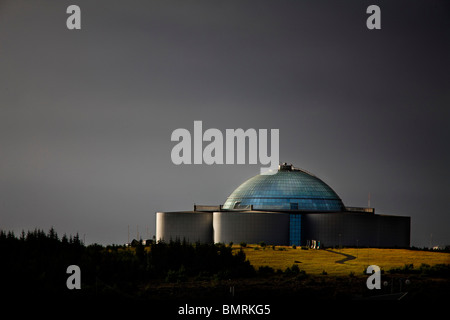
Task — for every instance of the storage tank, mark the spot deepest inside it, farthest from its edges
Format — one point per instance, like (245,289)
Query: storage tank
(191,226)
(251,227)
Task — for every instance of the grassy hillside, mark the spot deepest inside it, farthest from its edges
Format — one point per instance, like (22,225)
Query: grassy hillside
(37,263)
(340,261)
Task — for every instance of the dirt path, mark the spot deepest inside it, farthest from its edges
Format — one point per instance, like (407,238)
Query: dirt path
(348,257)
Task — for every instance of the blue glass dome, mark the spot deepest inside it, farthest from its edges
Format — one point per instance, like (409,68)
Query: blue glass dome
(288,189)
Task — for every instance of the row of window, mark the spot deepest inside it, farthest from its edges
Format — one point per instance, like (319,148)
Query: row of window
(296,184)
(276,193)
(286,204)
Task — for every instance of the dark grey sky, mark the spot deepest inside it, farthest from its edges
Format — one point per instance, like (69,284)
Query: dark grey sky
(86,116)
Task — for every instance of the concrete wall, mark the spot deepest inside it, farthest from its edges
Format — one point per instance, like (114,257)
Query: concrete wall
(251,227)
(184,225)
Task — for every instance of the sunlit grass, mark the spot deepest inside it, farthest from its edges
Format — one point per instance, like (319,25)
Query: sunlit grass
(318,261)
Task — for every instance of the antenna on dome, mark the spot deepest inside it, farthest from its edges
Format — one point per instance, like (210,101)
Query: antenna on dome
(368,201)
(285,167)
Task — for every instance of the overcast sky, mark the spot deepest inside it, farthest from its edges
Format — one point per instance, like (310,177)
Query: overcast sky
(86,115)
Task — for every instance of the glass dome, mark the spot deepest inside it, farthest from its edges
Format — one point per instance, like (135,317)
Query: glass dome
(288,189)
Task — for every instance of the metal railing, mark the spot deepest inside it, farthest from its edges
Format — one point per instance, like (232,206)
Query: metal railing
(360,209)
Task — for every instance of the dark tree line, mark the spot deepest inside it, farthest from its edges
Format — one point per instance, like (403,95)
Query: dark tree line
(36,262)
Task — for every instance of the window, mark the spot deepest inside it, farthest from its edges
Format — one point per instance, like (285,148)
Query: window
(295,229)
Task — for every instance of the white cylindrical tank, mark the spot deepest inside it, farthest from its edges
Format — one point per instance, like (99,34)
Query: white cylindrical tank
(251,227)
(184,225)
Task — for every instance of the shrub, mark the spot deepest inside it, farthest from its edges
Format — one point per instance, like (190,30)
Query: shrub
(222,275)
(176,276)
(203,275)
(265,270)
(436,270)
(294,270)
(301,276)
(406,269)
(171,276)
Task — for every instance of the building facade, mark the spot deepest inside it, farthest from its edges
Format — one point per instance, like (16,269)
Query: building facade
(289,207)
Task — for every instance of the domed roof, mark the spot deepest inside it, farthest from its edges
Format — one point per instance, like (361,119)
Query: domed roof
(288,189)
